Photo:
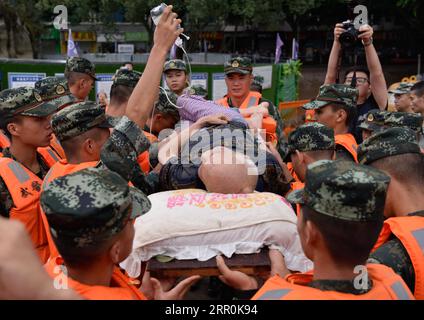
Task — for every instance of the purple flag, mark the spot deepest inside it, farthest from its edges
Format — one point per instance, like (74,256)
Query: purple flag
(278,46)
(173,54)
(295,50)
(72,49)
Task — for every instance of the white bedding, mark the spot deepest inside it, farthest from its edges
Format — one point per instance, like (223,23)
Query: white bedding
(183,228)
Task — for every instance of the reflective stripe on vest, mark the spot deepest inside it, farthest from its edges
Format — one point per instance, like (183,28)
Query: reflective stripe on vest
(275,294)
(419,236)
(53,154)
(50,157)
(18,171)
(253,101)
(399,289)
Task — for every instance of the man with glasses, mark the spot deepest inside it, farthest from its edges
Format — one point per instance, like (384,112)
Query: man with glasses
(370,80)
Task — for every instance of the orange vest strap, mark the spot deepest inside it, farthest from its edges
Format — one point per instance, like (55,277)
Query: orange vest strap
(57,147)
(349,143)
(4,141)
(49,155)
(410,232)
(251,100)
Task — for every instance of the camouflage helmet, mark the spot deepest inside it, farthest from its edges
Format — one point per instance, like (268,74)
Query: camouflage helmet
(80,65)
(25,101)
(387,143)
(79,118)
(343,190)
(311,137)
(90,206)
(258,81)
(56,91)
(240,65)
(175,64)
(166,104)
(197,90)
(413,121)
(403,88)
(127,78)
(334,94)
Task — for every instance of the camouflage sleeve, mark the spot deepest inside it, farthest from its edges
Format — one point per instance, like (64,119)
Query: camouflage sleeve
(147,183)
(6,202)
(282,146)
(394,255)
(121,150)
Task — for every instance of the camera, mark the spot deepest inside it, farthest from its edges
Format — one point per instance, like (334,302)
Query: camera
(350,37)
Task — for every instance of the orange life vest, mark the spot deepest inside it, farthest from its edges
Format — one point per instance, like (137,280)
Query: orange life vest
(292,172)
(410,232)
(143,158)
(4,141)
(49,155)
(25,188)
(55,145)
(268,123)
(348,142)
(297,185)
(60,169)
(120,289)
(387,285)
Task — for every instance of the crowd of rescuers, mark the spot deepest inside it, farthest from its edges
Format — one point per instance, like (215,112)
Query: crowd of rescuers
(75,174)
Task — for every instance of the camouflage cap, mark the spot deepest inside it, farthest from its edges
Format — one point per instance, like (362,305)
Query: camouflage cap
(387,143)
(79,118)
(374,120)
(90,206)
(334,93)
(25,101)
(175,64)
(240,65)
(125,77)
(344,190)
(55,91)
(413,121)
(166,104)
(311,137)
(197,90)
(404,87)
(258,81)
(81,65)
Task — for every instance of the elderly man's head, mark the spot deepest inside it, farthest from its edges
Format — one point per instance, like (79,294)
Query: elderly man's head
(225,171)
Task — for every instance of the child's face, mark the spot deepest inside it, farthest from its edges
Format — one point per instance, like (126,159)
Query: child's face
(176,80)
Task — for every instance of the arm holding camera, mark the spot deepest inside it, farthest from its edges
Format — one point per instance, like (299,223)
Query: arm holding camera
(377,80)
(145,93)
(331,75)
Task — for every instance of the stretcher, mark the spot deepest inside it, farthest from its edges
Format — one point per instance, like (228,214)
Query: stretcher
(251,264)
